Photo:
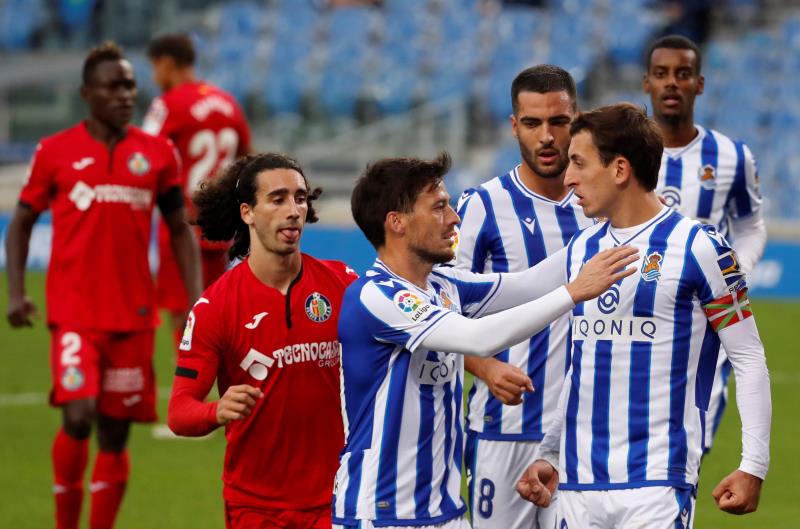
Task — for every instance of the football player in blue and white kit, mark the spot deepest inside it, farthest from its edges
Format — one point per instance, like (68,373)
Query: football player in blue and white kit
(704,175)
(626,449)
(509,224)
(404,328)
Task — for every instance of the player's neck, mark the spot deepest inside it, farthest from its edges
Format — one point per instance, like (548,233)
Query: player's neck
(275,270)
(406,264)
(634,208)
(181,77)
(678,134)
(103,132)
(552,188)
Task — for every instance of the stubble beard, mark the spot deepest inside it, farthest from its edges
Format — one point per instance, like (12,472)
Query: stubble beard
(530,160)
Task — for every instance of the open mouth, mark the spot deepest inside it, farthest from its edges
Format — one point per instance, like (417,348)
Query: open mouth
(671,100)
(548,156)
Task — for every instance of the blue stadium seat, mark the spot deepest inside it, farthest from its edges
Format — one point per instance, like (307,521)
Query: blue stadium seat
(240,18)
(18,20)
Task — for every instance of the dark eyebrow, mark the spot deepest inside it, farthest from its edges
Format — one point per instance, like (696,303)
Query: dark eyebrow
(283,191)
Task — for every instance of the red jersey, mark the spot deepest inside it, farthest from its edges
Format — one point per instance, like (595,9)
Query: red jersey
(207,127)
(285,454)
(102,203)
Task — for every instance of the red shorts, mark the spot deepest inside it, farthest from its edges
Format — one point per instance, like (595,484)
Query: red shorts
(169,284)
(115,368)
(255,518)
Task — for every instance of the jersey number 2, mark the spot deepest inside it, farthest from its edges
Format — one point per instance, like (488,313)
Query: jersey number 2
(208,145)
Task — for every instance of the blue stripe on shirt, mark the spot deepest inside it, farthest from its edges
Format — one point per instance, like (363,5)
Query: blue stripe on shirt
(536,252)
(386,489)
(738,192)
(601,400)
(422,489)
(674,172)
(708,157)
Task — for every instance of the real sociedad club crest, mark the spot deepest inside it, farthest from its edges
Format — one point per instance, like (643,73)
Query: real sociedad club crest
(318,308)
(707,177)
(651,267)
(138,164)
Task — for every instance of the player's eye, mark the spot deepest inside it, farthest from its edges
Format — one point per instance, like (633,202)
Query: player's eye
(301,199)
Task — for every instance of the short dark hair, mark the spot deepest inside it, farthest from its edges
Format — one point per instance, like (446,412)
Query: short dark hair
(542,79)
(392,184)
(218,199)
(178,46)
(675,42)
(107,51)
(624,130)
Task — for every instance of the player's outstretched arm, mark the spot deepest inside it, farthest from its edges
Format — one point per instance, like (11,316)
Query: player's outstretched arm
(506,382)
(20,307)
(538,483)
(521,287)
(488,335)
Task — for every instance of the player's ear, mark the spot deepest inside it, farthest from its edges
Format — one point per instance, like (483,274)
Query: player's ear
(623,170)
(701,84)
(646,83)
(514,125)
(246,212)
(395,223)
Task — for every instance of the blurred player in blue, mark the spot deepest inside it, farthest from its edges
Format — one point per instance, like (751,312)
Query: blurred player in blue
(704,174)
(509,224)
(404,328)
(625,451)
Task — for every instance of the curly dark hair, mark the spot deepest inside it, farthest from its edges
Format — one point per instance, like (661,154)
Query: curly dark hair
(218,200)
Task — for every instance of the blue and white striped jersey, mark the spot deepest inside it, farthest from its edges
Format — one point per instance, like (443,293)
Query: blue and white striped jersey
(713,179)
(505,227)
(643,357)
(401,404)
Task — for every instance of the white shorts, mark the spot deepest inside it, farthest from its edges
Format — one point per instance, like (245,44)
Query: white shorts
(456,523)
(493,469)
(642,508)
(718,400)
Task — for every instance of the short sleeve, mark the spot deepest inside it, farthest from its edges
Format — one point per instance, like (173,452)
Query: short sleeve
(399,315)
(156,117)
(171,173)
(745,196)
(470,250)
(202,340)
(39,181)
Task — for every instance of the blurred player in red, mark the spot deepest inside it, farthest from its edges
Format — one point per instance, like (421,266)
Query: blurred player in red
(101,179)
(209,130)
(266,332)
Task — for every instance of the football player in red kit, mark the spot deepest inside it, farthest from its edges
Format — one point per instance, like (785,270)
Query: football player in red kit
(209,130)
(266,332)
(101,179)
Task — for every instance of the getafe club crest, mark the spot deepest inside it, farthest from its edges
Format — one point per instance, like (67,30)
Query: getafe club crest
(651,267)
(707,177)
(138,164)
(73,378)
(318,308)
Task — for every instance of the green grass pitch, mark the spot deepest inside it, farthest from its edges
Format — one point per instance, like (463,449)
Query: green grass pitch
(176,483)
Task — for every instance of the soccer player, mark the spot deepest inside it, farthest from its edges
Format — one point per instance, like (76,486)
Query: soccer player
(101,178)
(404,329)
(643,354)
(210,131)
(704,175)
(511,223)
(266,332)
